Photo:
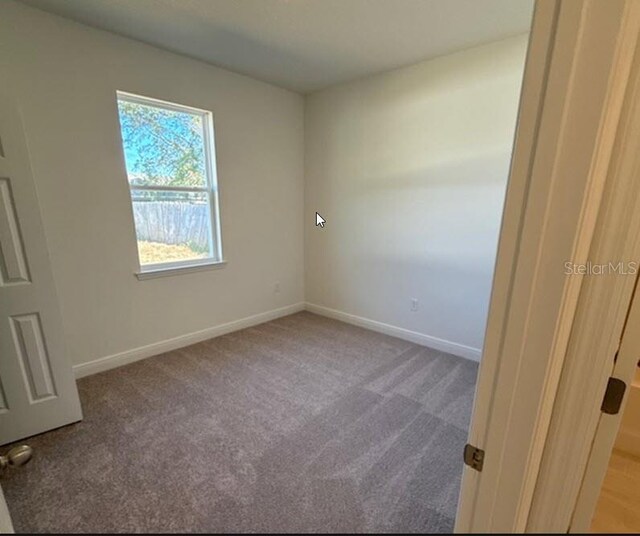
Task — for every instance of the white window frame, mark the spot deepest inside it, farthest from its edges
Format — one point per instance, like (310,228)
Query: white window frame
(211,189)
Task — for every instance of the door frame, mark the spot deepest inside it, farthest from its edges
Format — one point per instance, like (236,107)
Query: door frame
(599,449)
(576,77)
(605,342)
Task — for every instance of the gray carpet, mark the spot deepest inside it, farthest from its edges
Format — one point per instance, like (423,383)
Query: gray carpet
(303,424)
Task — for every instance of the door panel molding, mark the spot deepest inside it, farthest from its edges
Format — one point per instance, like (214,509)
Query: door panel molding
(13,263)
(31,349)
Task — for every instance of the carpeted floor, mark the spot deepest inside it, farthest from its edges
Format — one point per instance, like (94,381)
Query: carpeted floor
(303,424)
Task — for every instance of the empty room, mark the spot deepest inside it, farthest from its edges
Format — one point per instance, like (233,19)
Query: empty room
(247,257)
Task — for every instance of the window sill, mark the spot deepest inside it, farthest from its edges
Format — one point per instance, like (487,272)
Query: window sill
(179,270)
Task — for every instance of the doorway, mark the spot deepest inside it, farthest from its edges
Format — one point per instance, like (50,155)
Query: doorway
(618,507)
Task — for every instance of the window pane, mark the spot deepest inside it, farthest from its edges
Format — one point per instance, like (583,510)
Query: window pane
(162,147)
(172,226)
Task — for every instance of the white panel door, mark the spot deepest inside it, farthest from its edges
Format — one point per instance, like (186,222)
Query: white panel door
(37,387)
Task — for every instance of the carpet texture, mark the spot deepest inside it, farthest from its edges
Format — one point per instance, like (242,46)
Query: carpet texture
(303,424)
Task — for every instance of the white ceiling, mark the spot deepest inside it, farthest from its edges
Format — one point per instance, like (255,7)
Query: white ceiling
(304,45)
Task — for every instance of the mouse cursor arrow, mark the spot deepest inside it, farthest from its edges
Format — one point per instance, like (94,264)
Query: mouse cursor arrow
(320,221)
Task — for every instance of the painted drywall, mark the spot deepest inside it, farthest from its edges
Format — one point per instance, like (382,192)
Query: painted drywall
(304,45)
(66,76)
(409,169)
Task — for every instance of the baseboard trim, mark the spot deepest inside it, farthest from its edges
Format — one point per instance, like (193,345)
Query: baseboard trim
(468,352)
(129,356)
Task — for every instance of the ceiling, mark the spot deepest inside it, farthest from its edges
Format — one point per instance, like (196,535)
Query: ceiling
(304,45)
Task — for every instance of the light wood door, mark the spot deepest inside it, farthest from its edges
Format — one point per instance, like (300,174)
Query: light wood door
(37,387)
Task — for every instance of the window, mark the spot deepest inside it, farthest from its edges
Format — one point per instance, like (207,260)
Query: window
(170,161)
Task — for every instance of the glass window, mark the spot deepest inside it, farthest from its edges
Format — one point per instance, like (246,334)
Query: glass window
(170,161)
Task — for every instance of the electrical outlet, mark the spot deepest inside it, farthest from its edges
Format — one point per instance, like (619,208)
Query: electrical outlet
(414,304)
(276,288)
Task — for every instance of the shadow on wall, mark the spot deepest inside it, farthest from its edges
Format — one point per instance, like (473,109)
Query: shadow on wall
(450,210)
(410,170)
(429,235)
(257,55)
(424,120)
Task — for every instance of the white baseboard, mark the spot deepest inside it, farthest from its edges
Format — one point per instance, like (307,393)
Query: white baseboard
(129,356)
(461,350)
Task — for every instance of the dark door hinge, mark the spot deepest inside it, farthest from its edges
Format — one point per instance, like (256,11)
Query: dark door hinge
(613,396)
(473,457)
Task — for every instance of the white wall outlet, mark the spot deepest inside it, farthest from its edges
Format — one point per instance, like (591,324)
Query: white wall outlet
(276,287)
(414,304)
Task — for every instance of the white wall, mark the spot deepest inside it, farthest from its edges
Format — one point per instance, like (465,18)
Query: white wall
(67,75)
(409,169)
